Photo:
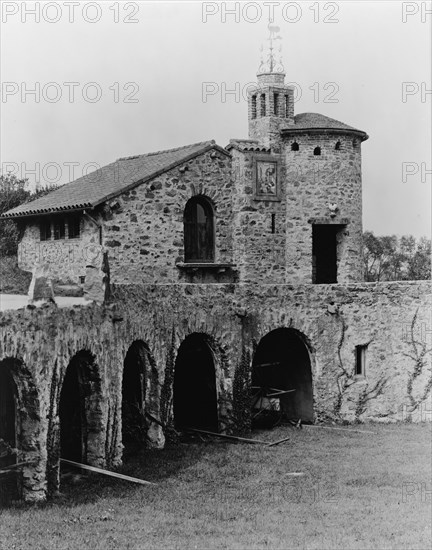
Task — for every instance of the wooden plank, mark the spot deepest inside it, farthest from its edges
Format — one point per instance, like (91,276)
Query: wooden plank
(106,472)
(277,394)
(17,465)
(279,441)
(233,437)
(340,429)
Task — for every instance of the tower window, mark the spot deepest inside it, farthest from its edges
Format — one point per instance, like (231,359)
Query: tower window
(276,104)
(273,223)
(317,151)
(198,220)
(338,146)
(253,114)
(286,106)
(295,146)
(263,105)
(45,230)
(360,360)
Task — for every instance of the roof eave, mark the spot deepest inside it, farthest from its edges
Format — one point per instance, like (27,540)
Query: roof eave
(362,135)
(161,171)
(46,212)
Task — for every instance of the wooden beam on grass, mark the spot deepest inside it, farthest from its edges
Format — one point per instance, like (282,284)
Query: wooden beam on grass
(233,437)
(340,429)
(106,472)
(279,441)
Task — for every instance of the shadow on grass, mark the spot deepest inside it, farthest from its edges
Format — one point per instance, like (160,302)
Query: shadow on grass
(80,487)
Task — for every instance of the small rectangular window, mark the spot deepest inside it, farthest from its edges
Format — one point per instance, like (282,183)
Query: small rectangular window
(59,229)
(273,223)
(286,106)
(73,227)
(45,230)
(360,364)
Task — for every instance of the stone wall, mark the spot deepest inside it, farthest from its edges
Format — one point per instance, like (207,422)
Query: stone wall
(391,319)
(143,228)
(312,183)
(67,258)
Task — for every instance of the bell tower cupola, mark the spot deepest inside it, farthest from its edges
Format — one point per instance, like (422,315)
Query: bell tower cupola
(271,101)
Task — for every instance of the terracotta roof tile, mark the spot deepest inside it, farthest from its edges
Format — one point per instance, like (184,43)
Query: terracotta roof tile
(111,180)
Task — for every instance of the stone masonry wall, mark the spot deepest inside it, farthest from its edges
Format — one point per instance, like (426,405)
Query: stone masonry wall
(67,258)
(143,228)
(391,319)
(312,182)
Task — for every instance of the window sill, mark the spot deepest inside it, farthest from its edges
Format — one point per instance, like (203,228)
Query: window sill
(195,266)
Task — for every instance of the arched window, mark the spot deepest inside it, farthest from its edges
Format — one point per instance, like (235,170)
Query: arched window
(317,151)
(263,105)
(254,106)
(198,222)
(338,146)
(295,146)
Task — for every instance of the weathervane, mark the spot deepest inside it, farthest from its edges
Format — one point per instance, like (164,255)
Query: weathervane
(270,65)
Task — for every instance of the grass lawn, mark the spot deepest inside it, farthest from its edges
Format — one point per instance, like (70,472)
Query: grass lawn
(356,491)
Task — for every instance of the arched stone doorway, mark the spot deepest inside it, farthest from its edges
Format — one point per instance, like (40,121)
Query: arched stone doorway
(282,362)
(195,395)
(80,410)
(19,422)
(8,420)
(7,416)
(134,388)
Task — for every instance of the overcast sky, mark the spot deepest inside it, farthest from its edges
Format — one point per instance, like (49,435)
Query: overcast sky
(348,60)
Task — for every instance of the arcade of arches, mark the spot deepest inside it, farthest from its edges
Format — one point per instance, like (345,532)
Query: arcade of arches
(96,383)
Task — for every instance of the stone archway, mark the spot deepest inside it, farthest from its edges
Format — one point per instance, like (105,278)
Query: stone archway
(81,429)
(19,422)
(136,371)
(282,362)
(195,396)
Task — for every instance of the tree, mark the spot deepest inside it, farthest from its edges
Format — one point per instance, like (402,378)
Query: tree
(13,192)
(392,258)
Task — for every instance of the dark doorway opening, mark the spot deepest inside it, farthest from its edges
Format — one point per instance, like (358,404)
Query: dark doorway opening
(281,362)
(195,396)
(136,367)
(8,478)
(324,253)
(79,390)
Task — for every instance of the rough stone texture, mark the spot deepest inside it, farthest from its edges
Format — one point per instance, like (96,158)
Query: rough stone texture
(143,228)
(333,319)
(67,258)
(312,184)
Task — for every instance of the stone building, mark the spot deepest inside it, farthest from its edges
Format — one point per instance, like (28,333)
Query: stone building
(210,272)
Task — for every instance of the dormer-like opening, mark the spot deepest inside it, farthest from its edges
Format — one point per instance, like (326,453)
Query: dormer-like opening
(338,146)
(317,151)
(263,104)
(295,146)
(254,106)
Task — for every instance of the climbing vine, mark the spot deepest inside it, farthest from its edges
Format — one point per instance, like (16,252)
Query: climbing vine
(418,353)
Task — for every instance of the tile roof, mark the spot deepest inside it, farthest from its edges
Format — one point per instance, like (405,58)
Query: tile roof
(111,180)
(316,121)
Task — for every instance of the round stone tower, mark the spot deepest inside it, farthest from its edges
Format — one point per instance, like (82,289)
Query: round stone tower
(323,183)
(299,193)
